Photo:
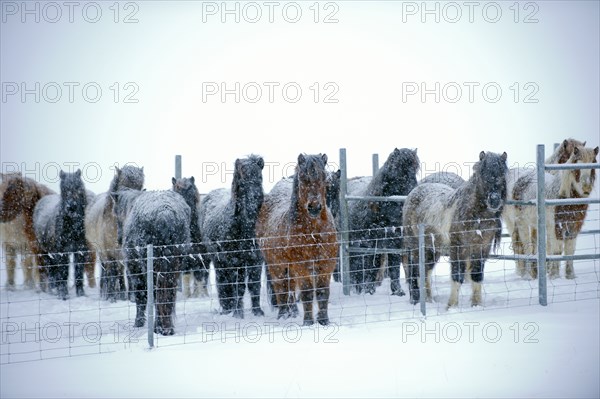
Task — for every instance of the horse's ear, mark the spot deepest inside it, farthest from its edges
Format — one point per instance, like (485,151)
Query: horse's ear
(338,173)
(596,151)
(117,171)
(78,173)
(481,155)
(565,144)
(504,156)
(584,143)
(260,162)
(301,159)
(61,174)
(324,157)
(173,180)
(192,180)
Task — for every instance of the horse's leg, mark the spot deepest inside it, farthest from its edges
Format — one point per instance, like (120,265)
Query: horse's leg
(477,263)
(138,288)
(457,273)
(201,277)
(60,273)
(271,290)
(413,276)
(280,280)
(254,269)
(79,260)
(554,247)
(238,285)
(30,270)
(531,249)
(11,264)
(370,272)
(41,261)
(323,281)
(570,250)
(90,267)
(307,292)
(187,282)
(223,276)
(166,294)
(394,261)
(518,249)
(357,266)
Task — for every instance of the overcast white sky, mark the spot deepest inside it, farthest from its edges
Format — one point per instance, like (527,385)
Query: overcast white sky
(371,61)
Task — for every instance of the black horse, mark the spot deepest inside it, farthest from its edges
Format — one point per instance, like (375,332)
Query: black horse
(59,228)
(228,225)
(377,224)
(194,265)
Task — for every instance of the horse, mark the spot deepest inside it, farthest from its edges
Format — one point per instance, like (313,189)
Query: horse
(228,224)
(160,218)
(448,178)
(101,232)
(298,240)
(464,221)
(560,155)
(332,200)
(378,224)
(18,197)
(195,275)
(563,152)
(58,221)
(563,222)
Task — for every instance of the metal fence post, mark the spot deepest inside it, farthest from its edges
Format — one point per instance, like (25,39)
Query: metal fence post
(541,227)
(345,236)
(178,166)
(375,163)
(422,291)
(150,300)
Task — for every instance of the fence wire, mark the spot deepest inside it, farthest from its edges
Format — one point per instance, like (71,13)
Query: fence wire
(36,325)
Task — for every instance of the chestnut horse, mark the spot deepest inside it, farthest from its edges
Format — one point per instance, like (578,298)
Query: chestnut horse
(298,240)
(18,197)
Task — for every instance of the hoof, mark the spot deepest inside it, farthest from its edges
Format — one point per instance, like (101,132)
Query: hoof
(323,320)
(238,314)
(308,323)
(399,292)
(258,312)
(139,322)
(570,277)
(80,292)
(164,331)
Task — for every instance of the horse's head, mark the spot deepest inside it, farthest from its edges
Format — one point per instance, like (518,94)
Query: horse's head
(580,180)
(333,191)
(564,150)
(129,176)
(186,187)
(18,194)
(310,184)
(399,172)
(490,173)
(73,194)
(246,189)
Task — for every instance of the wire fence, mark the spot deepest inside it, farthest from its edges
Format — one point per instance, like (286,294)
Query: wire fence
(35,325)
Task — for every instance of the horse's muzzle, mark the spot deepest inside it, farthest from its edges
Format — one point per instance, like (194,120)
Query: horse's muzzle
(314,209)
(494,201)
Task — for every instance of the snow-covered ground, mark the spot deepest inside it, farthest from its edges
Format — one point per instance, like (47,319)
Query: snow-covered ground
(377,345)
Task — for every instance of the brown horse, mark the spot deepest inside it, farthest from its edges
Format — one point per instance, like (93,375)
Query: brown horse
(18,197)
(298,239)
